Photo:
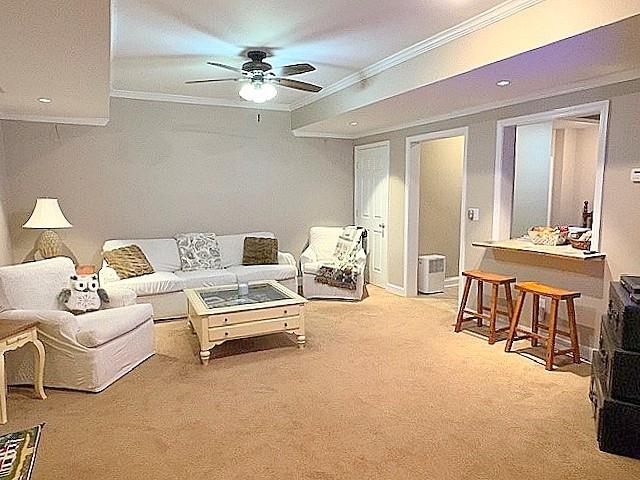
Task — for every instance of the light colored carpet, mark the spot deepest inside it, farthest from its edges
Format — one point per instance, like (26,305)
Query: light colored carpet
(384,390)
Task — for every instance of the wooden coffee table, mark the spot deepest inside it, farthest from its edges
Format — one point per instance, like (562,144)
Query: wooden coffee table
(218,314)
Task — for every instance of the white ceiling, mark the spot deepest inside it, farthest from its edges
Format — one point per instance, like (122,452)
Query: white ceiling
(58,50)
(597,57)
(159,44)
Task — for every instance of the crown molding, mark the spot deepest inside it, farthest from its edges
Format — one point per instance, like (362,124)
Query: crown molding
(603,81)
(91,121)
(473,24)
(218,102)
(337,136)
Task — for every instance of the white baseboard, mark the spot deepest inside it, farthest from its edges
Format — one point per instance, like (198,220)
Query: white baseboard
(451,282)
(396,289)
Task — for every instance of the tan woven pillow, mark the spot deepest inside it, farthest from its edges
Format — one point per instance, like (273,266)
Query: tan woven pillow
(260,251)
(128,262)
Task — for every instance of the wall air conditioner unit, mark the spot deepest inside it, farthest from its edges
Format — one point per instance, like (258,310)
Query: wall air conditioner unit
(431,270)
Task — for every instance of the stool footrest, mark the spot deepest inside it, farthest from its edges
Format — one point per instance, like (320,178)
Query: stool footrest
(558,332)
(499,312)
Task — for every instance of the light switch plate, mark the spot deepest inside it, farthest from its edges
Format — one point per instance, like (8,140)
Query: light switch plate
(473,214)
(635,175)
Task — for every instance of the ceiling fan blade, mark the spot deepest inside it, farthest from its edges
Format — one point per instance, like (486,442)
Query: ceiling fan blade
(296,69)
(213,80)
(297,85)
(226,67)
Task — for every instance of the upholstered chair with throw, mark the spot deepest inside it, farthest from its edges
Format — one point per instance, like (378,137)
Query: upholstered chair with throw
(323,254)
(83,352)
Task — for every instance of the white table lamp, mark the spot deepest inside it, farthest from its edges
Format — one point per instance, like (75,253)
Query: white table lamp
(47,215)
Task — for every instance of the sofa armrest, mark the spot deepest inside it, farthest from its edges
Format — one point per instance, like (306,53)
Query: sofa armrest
(308,256)
(285,258)
(53,323)
(107,275)
(361,259)
(120,297)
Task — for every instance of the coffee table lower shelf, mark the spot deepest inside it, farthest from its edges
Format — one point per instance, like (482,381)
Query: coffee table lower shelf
(215,329)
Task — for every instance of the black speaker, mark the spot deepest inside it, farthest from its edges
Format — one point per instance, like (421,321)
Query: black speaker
(623,319)
(617,422)
(620,369)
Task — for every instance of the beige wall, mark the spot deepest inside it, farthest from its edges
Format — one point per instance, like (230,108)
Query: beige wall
(440,198)
(575,160)
(161,168)
(620,214)
(5,241)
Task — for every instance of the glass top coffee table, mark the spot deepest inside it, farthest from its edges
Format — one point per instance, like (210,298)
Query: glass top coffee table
(220,313)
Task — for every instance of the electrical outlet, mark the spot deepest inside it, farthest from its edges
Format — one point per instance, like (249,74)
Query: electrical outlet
(473,214)
(635,175)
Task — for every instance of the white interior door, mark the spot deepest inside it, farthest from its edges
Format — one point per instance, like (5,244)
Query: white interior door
(371,201)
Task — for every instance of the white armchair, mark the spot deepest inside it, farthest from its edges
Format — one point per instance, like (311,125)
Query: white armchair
(321,249)
(83,352)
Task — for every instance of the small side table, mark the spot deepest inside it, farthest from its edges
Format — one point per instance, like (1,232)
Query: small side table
(13,335)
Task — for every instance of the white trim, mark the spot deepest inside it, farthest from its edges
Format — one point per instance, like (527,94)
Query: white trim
(218,102)
(396,289)
(544,94)
(502,211)
(471,25)
(97,122)
(366,146)
(412,203)
(387,145)
(339,136)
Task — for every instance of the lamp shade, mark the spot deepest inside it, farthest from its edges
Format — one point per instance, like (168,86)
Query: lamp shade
(47,214)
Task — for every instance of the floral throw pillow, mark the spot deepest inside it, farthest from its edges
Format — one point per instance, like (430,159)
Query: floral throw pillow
(198,251)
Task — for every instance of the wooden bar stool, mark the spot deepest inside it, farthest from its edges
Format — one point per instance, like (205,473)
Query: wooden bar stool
(479,314)
(556,295)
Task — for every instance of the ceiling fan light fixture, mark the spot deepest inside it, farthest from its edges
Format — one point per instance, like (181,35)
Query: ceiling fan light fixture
(246,92)
(258,92)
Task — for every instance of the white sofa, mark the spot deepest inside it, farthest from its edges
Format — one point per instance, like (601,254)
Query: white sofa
(164,288)
(321,249)
(82,352)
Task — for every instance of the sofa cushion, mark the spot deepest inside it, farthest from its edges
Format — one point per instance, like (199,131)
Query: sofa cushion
(323,241)
(198,251)
(153,284)
(34,285)
(128,262)
(200,278)
(260,251)
(232,247)
(252,273)
(102,326)
(161,252)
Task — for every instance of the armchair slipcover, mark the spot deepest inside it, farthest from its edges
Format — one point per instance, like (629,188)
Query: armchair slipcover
(83,352)
(321,249)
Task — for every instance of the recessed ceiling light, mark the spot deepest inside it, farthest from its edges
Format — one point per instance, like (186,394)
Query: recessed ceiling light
(44,100)
(503,83)
(354,124)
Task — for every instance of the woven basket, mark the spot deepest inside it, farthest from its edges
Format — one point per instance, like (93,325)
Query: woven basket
(552,239)
(580,244)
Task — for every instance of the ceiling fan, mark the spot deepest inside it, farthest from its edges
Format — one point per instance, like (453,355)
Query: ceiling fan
(260,77)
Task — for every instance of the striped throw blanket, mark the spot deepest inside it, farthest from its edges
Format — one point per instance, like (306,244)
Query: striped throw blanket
(343,271)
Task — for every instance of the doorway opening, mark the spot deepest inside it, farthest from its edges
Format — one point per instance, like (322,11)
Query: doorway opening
(435,191)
